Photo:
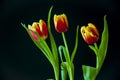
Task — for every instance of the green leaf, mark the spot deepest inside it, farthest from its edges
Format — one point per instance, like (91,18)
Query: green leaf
(49,16)
(93,48)
(63,71)
(45,47)
(96,46)
(66,67)
(104,43)
(70,69)
(52,41)
(66,64)
(62,50)
(53,47)
(76,45)
(89,72)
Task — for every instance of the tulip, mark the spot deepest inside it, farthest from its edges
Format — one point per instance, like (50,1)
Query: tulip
(90,33)
(61,23)
(39,27)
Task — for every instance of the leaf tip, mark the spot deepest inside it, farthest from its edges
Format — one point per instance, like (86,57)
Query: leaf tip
(105,17)
(23,25)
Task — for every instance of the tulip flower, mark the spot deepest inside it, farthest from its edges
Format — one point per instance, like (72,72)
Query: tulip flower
(61,23)
(90,33)
(39,27)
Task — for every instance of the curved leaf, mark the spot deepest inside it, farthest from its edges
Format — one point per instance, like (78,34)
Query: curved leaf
(52,41)
(76,45)
(89,72)
(104,43)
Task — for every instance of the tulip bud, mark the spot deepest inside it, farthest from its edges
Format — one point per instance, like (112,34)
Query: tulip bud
(90,33)
(61,23)
(39,27)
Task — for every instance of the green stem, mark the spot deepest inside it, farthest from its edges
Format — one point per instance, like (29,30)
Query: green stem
(64,39)
(56,71)
(70,64)
(66,47)
(70,69)
(97,55)
(72,72)
(98,59)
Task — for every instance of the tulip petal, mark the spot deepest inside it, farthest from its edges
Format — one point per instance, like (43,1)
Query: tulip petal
(33,35)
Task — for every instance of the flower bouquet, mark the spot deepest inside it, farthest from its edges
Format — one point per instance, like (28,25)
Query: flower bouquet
(59,56)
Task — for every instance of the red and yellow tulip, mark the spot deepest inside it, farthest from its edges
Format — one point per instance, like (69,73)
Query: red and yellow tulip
(61,23)
(90,33)
(39,27)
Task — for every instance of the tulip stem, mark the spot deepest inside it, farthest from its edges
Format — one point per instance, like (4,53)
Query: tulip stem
(56,71)
(66,47)
(70,66)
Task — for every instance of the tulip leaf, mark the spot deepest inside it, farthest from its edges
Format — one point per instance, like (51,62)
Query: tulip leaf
(70,70)
(76,45)
(52,41)
(63,49)
(89,72)
(104,43)
(94,49)
(49,16)
(63,71)
(53,46)
(66,65)
(96,46)
(45,46)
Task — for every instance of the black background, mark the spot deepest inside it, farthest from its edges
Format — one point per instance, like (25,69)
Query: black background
(20,59)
